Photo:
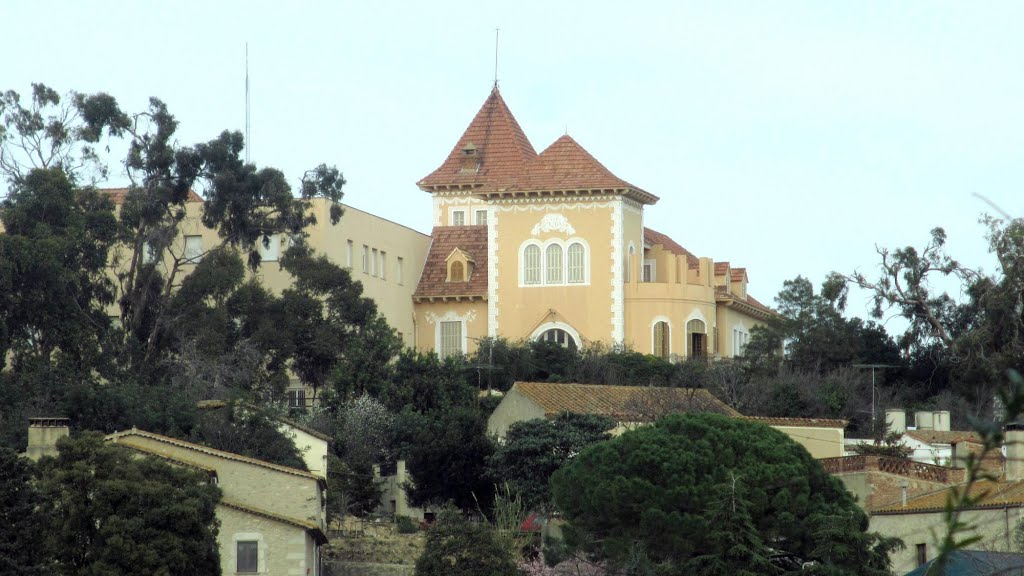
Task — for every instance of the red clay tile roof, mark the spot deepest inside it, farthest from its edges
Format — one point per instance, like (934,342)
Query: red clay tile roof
(565,165)
(445,239)
(757,304)
(738,274)
(721,268)
(724,295)
(993,495)
(623,403)
(117,195)
(500,143)
(655,237)
(798,422)
(310,527)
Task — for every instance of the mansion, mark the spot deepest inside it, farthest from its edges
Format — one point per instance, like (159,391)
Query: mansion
(553,246)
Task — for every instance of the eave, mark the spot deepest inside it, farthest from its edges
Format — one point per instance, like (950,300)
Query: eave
(732,302)
(449,298)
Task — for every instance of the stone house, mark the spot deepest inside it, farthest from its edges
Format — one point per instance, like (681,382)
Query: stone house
(272,517)
(918,521)
(632,406)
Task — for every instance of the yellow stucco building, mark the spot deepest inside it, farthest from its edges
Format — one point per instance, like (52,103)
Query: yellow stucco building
(553,246)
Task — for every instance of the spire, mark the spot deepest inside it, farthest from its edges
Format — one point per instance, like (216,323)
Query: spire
(491,152)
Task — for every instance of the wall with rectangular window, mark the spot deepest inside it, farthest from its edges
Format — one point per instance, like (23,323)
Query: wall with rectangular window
(270,250)
(349,247)
(366,259)
(481,218)
(400,271)
(451,338)
(193,249)
(555,262)
(247,556)
(458,217)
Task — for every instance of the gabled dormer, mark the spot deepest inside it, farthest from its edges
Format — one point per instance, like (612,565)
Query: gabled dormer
(460,266)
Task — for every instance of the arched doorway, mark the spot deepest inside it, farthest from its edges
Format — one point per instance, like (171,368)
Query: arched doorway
(696,339)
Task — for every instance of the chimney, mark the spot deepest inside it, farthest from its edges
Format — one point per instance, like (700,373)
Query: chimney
(1014,443)
(924,420)
(940,420)
(896,420)
(43,434)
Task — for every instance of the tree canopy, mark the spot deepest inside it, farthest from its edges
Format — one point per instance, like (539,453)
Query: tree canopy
(657,486)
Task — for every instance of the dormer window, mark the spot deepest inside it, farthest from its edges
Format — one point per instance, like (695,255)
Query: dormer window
(470,158)
(460,266)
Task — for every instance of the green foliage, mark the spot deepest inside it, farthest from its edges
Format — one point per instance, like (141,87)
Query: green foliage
(354,490)
(22,528)
(734,545)
(457,547)
(655,486)
(406,525)
(534,449)
(249,431)
(446,456)
(53,257)
(110,512)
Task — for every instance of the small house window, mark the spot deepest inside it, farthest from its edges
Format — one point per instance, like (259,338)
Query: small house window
(149,253)
(697,343)
(661,340)
(193,249)
(451,338)
(458,272)
(458,218)
(576,267)
(560,337)
(650,274)
(373,262)
(248,556)
(922,554)
(553,263)
(481,217)
(366,259)
(349,254)
(531,265)
(297,398)
(399,272)
(383,265)
(270,248)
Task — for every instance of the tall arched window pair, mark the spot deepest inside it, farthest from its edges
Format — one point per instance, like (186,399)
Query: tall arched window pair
(554,264)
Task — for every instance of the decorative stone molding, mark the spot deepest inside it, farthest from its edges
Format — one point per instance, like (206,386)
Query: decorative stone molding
(553,223)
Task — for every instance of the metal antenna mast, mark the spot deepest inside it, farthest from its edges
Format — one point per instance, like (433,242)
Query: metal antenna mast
(496,32)
(248,141)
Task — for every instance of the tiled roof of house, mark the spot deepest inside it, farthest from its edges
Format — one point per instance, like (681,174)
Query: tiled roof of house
(565,165)
(738,274)
(217,404)
(722,294)
(117,195)
(993,495)
(721,268)
(127,438)
(445,239)
(944,437)
(500,144)
(310,527)
(799,422)
(655,237)
(623,403)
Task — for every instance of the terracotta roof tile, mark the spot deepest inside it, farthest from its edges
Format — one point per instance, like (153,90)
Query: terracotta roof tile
(993,495)
(943,436)
(654,237)
(721,268)
(501,145)
(565,165)
(757,304)
(738,274)
(444,240)
(624,403)
(117,195)
(799,422)
(310,527)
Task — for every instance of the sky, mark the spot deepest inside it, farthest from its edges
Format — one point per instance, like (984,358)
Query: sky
(786,137)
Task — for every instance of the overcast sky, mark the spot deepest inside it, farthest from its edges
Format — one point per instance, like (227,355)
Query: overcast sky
(786,137)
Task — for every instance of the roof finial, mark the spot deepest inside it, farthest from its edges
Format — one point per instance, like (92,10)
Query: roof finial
(496,32)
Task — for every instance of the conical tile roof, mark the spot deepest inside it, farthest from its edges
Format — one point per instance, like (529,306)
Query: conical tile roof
(491,151)
(565,165)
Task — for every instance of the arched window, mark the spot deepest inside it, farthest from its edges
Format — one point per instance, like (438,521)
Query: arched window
(553,264)
(697,339)
(458,273)
(560,337)
(531,265)
(576,255)
(661,340)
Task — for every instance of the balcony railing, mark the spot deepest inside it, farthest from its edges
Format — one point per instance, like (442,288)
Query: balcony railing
(897,466)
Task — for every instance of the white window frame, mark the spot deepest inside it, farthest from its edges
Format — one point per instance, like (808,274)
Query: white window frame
(350,253)
(373,261)
(383,265)
(544,278)
(571,267)
(526,278)
(543,328)
(439,337)
(477,217)
(400,270)
(271,252)
(554,272)
(650,271)
(366,259)
(740,338)
(458,215)
(668,335)
(193,249)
